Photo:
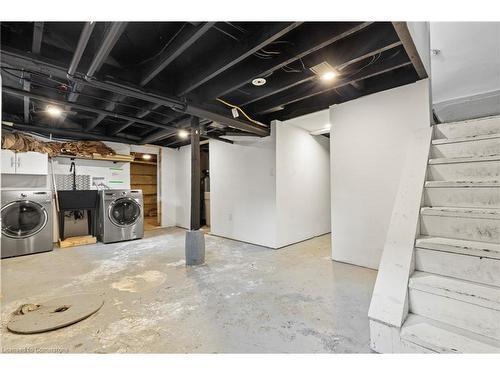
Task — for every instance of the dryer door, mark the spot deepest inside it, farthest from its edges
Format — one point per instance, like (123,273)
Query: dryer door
(21,219)
(124,212)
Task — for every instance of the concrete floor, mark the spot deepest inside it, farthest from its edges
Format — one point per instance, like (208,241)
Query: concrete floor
(246,299)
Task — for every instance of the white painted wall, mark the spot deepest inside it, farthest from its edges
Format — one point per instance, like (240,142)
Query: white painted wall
(466,71)
(302,182)
(175,188)
(168,192)
(183,183)
(243,190)
(368,143)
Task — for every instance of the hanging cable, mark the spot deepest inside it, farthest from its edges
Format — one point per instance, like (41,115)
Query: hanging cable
(242,112)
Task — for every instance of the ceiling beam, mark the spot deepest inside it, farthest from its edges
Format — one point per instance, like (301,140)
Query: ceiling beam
(243,49)
(290,80)
(161,134)
(143,113)
(80,47)
(181,42)
(317,87)
(28,62)
(405,37)
(102,53)
(37,38)
(307,42)
(22,93)
(181,106)
(390,79)
(36,46)
(189,35)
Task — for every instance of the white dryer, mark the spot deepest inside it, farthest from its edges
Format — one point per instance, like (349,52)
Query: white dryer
(121,215)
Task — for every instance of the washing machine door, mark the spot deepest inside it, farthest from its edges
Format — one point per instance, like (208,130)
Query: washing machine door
(21,219)
(124,212)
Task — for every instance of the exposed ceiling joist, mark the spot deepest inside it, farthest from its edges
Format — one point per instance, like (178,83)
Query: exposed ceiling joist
(36,46)
(304,45)
(245,48)
(181,42)
(189,35)
(410,48)
(317,87)
(291,81)
(22,93)
(143,113)
(112,36)
(28,62)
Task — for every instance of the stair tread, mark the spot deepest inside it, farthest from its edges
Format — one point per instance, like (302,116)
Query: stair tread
(468,183)
(465,159)
(473,120)
(486,249)
(450,287)
(479,137)
(482,213)
(444,338)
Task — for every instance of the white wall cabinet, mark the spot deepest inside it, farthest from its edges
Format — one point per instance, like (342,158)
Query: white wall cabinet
(24,162)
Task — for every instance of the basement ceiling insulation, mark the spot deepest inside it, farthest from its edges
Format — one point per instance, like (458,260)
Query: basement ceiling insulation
(193,65)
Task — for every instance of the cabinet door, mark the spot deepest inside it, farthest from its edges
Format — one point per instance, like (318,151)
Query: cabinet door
(8,161)
(32,163)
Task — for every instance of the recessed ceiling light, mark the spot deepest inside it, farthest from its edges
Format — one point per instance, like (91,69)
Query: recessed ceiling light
(259,82)
(53,111)
(183,133)
(146,157)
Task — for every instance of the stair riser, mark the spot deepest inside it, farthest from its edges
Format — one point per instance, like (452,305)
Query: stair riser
(482,320)
(464,228)
(485,147)
(477,171)
(465,267)
(480,197)
(468,129)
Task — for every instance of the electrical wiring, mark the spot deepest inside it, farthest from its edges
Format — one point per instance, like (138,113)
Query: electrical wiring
(242,112)
(37,84)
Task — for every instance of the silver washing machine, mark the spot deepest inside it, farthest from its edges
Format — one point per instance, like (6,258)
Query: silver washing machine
(26,222)
(121,215)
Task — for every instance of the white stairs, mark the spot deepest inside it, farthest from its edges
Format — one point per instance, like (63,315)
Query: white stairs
(454,292)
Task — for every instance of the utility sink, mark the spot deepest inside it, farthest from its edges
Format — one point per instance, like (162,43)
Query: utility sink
(77,199)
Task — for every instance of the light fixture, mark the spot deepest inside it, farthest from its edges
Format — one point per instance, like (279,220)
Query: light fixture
(146,157)
(53,111)
(183,133)
(259,81)
(324,71)
(328,76)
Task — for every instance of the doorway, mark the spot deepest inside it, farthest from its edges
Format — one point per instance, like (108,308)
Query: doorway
(144,176)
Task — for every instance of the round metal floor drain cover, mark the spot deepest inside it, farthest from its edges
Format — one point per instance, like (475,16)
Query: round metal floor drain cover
(54,314)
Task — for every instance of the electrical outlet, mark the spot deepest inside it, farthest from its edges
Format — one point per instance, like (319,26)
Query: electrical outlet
(235,112)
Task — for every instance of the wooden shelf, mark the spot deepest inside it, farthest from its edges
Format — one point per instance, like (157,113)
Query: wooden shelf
(122,158)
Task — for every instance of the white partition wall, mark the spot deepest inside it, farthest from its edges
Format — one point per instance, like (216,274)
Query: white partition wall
(369,138)
(243,189)
(271,191)
(302,183)
(175,190)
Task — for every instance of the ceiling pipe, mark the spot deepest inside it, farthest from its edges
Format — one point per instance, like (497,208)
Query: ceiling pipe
(43,129)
